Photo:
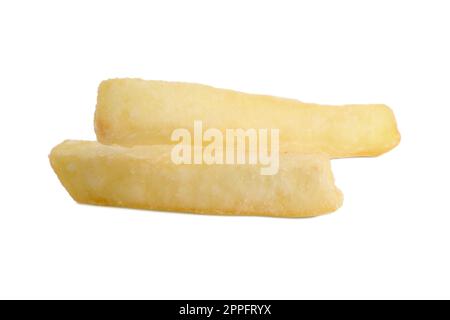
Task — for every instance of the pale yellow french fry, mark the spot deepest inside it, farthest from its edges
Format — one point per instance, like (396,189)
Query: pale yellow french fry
(146,178)
(137,112)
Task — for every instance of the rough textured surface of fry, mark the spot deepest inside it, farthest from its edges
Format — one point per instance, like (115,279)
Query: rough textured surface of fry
(145,178)
(137,112)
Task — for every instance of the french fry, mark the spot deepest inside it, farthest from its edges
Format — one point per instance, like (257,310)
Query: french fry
(137,112)
(145,178)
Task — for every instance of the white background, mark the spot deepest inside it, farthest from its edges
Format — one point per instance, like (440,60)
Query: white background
(391,238)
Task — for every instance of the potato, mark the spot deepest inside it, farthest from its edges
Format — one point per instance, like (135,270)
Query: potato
(137,112)
(146,178)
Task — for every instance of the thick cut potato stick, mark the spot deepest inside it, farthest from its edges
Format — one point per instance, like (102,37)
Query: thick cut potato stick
(137,112)
(146,178)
